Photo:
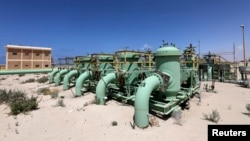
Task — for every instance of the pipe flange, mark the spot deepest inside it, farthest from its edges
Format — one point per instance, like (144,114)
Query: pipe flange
(164,79)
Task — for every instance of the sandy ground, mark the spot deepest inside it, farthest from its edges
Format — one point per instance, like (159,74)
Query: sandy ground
(80,121)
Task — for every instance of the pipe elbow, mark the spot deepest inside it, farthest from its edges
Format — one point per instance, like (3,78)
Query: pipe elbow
(102,85)
(67,77)
(142,99)
(59,75)
(80,81)
(52,75)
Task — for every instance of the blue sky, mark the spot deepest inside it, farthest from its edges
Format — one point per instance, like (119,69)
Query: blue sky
(81,27)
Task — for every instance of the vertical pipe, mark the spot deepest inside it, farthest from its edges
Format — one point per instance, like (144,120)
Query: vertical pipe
(142,100)
(102,85)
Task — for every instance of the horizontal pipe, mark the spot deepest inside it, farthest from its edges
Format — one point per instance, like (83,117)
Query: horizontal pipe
(9,72)
(142,100)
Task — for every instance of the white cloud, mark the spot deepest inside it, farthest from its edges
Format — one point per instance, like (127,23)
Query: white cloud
(146,47)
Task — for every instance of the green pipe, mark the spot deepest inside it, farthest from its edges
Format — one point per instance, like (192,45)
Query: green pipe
(9,72)
(209,73)
(80,81)
(52,75)
(142,99)
(101,87)
(67,77)
(59,75)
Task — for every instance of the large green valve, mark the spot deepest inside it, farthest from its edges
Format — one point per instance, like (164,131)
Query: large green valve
(166,80)
(122,83)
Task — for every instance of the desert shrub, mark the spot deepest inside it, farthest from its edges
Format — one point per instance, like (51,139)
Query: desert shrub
(214,116)
(16,95)
(42,79)
(54,95)
(23,105)
(3,96)
(60,102)
(54,91)
(31,80)
(48,91)
(45,91)
(3,78)
(114,123)
(10,95)
(248,108)
(20,75)
(18,101)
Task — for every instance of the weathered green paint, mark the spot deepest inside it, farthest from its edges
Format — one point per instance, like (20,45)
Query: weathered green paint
(67,78)
(142,99)
(102,85)
(80,81)
(167,62)
(59,76)
(52,75)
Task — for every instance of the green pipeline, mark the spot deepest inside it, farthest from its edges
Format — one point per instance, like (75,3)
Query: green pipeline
(10,72)
(59,75)
(102,85)
(142,99)
(80,81)
(67,78)
(52,75)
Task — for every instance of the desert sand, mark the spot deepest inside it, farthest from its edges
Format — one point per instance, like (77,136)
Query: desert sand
(81,120)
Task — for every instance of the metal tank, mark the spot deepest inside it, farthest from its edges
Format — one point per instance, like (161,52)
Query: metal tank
(165,89)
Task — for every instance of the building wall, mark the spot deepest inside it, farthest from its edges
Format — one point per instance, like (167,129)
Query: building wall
(27,58)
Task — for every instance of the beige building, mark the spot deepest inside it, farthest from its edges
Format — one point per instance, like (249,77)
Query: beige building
(27,57)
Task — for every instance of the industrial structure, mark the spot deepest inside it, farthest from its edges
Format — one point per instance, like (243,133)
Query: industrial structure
(154,83)
(215,67)
(27,57)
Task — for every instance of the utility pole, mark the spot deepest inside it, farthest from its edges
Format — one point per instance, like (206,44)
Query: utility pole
(199,48)
(235,63)
(244,48)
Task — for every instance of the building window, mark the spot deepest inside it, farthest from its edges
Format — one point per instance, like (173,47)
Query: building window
(26,65)
(37,66)
(16,65)
(27,54)
(46,66)
(14,53)
(37,54)
(46,54)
